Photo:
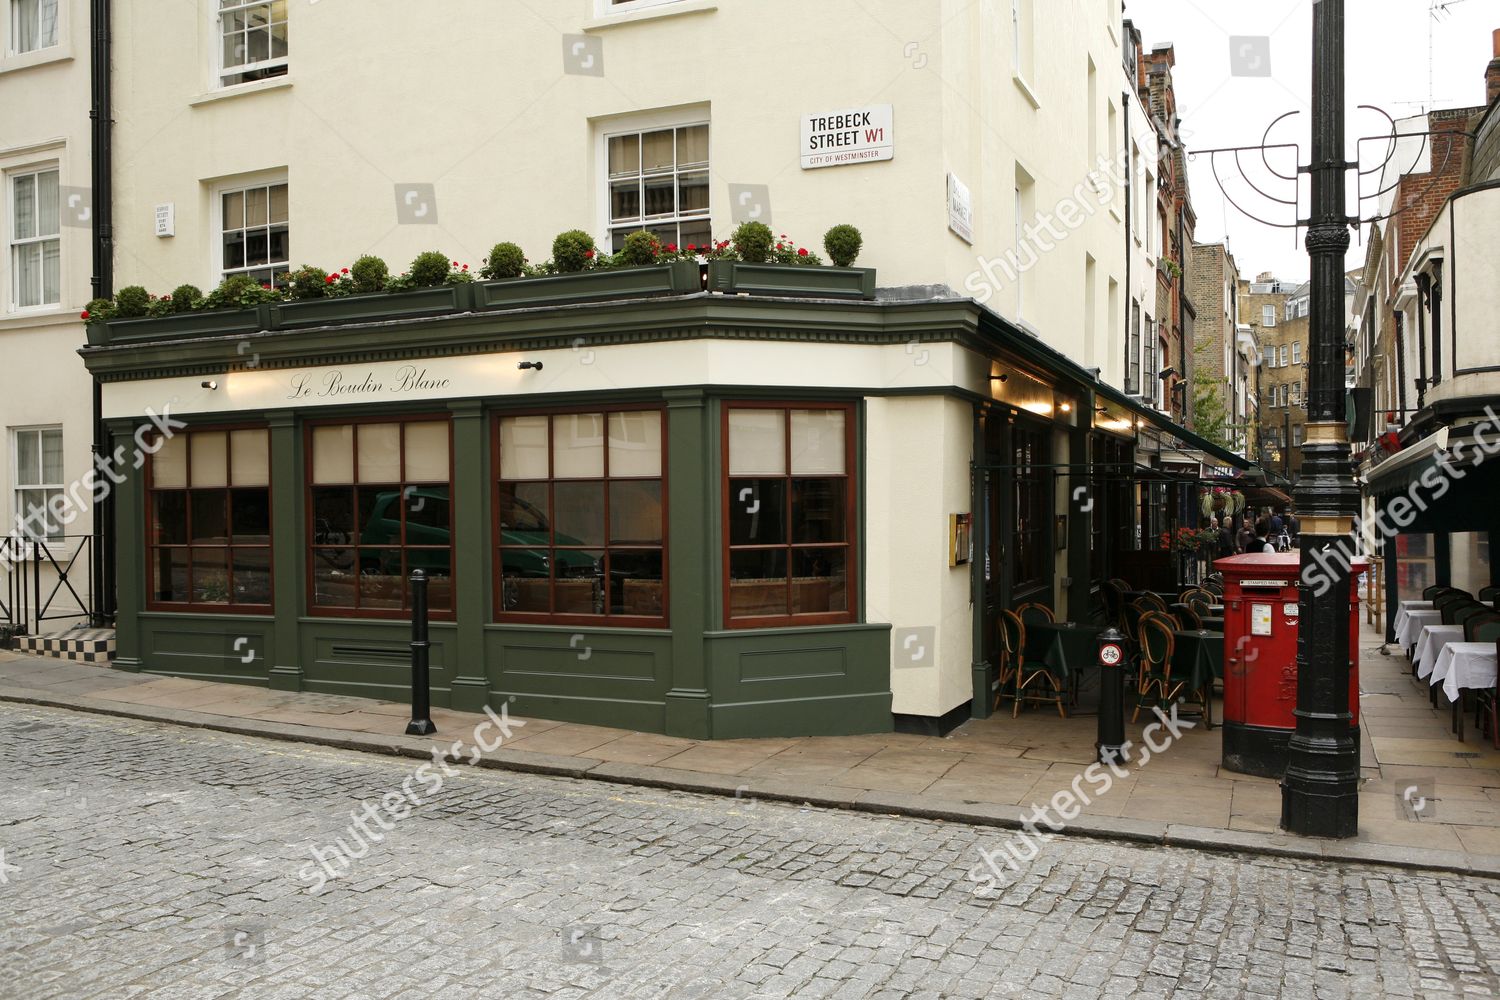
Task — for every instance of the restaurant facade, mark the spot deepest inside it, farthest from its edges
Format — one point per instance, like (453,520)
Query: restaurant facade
(701,514)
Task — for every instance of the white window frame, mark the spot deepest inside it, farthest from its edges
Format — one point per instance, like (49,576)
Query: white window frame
(13,32)
(605,8)
(1268,316)
(12,241)
(1296,352)
(216,49)
(649,122)
(59,488)
(1283,363)
(216,217)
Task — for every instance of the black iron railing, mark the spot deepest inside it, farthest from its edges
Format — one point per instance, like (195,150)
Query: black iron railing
(46,580)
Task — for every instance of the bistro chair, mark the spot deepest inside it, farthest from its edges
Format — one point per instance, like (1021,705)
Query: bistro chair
(1475,622)
(1031,672)
(1008,634)
(1154,601)
(1451,609)
(1157,644)
(1187,616)
(1432,593)
(1489,595)
(1036,613)
(1463,612)
(1443,602)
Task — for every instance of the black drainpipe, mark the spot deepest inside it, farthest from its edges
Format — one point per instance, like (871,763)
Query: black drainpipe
(1129,224)
(102,157)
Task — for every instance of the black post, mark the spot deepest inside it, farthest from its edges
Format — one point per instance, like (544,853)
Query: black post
(421,697)
(1113,662)
(1320,790)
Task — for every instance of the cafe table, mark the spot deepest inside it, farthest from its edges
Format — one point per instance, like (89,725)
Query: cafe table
(1464,666)
(1067,647)
(1198,657)
(1409,624)
(1430,643)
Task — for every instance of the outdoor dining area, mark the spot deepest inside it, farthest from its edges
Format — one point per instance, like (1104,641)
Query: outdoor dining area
(1175,644)
(1451,638)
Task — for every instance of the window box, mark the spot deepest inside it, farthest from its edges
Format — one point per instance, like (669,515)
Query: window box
(184,326)
(680,277)
(739,278)
(410,304)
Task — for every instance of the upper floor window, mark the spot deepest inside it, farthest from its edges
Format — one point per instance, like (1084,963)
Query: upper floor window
(256,233)
(580,507)
(1267,316)
(789,511)
(33,25)
(1283,356)
(208,530)
(252,41)
(35,251)
(1296,352)
(623,6)
(1270,356)
(38,478)
(1023,38)
(658,181)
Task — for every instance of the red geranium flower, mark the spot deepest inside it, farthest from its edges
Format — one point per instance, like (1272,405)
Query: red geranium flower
(330,279)
(671,248)
(692,247)
(802,252)
(265,284)
(344,271)
(589,254)
(84,314)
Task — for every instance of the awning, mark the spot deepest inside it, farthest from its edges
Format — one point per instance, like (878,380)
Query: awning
(1407,465)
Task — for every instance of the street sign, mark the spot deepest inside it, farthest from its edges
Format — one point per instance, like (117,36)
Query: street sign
(847,136)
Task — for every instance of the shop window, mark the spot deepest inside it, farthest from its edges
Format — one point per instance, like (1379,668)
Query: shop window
(380,507)
(252,41)
(208,529)
(659,181)
(789,515)
(1032,478)
(580,511)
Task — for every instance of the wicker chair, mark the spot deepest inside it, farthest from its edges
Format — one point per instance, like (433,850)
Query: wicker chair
(1157,644)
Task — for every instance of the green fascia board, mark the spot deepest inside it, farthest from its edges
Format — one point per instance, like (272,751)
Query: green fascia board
(685,317)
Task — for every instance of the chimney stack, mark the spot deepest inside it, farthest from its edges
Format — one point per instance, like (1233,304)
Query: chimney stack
(1492,75)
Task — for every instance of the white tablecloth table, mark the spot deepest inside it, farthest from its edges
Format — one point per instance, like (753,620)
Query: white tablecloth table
(1416,605)
(1409,625)
(1466,666)
(1430,644)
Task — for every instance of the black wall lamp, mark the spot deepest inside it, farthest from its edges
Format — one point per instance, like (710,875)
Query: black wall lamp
(525,365)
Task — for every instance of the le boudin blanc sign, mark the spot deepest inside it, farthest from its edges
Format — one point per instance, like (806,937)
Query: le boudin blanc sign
(846,136)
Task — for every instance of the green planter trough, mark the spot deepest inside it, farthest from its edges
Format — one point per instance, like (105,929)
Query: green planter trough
(415,303)
(185,326)
(739,278)
(680,277)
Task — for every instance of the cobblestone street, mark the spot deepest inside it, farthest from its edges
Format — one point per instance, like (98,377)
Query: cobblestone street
(147,860)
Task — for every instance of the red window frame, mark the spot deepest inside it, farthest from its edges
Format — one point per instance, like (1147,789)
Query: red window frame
(497,548)
(851,506)
(151,546)
(404,612)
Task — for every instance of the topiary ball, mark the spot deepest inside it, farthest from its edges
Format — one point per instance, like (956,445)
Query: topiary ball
(429,270)
(506,260)
(753,242)
(573,250)
(187,298)
(640,249)
(369,274)
(131,302)
(843,244)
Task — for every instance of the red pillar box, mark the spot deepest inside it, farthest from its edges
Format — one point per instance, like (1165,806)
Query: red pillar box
(1260,658)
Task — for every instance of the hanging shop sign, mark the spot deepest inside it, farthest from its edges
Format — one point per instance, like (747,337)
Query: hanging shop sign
(847,136)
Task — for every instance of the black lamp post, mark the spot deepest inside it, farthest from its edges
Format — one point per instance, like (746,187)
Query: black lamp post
(1320,790)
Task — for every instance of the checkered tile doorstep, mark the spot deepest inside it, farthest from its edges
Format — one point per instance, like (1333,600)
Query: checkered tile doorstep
(83,645)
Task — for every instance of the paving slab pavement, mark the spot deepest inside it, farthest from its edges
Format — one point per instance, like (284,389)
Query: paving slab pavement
(989,772)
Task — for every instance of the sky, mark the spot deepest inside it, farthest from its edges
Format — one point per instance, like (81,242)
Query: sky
(1227,96)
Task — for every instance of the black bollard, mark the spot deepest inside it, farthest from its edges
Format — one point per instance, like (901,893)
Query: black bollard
(1113,664)
(421,697)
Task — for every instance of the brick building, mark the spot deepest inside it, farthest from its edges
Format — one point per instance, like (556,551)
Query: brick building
(1174,307)
(1224,351)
